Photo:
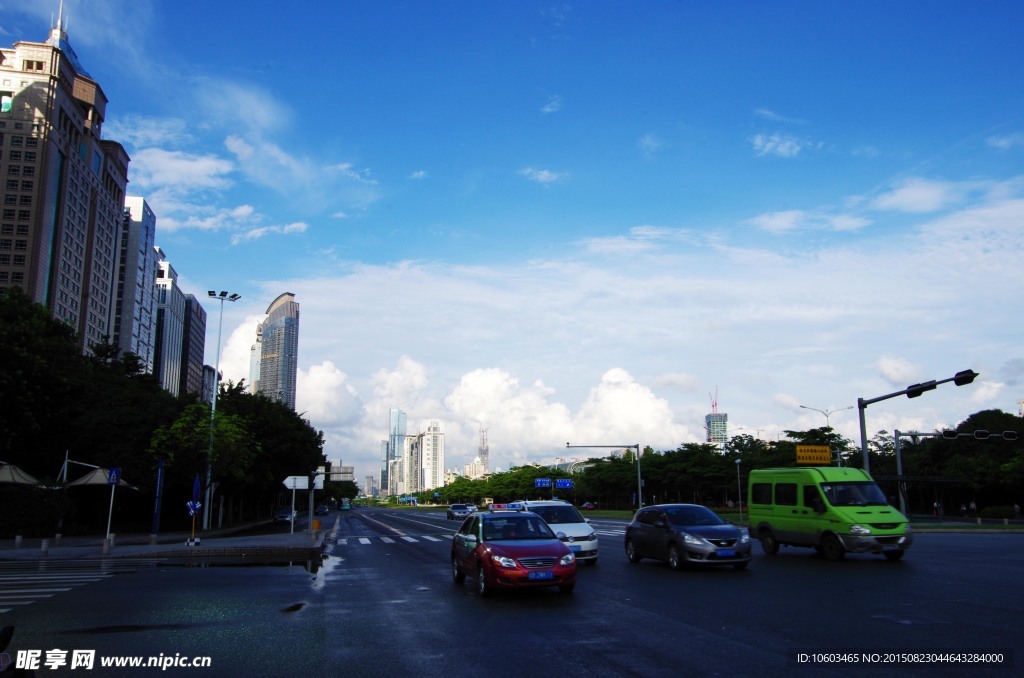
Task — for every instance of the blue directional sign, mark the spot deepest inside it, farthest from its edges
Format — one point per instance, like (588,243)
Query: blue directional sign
(114,477)
(542,482)
(563,483)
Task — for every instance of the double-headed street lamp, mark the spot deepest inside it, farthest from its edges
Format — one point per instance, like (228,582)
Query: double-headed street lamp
(827,413)
(961,378)
(222,297)
(639,482)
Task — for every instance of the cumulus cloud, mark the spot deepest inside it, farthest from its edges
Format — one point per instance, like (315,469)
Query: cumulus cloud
(325,395)
(649,144)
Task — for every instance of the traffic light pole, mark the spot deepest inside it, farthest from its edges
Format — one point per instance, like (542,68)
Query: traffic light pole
(914,390)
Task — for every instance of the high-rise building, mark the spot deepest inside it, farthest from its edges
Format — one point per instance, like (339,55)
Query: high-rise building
(431,443)
(717,425)
(64,186)
(170,326)
(255,352)
(279,353)
(193,347)
(135,311)
(391,449)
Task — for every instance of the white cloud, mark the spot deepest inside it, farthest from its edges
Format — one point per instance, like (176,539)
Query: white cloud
(542,176)
(1006,141)
(919,196)
(256,233)
(782,145)
(553,104)
(897,370)
(418,174)
(178,170)
(649,144)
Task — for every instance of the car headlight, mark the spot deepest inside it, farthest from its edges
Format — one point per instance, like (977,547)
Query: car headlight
(744,536)
(859,529)
(567,559)
(692,540)
(504,561)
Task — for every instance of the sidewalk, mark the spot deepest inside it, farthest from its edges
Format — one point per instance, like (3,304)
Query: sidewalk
(214,544)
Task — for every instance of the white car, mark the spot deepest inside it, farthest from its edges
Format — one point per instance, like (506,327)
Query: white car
(563,517)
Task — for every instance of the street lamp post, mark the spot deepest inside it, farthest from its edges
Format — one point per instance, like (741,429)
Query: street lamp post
(739,488)
(961,378)
(639,482)
(222,297)
(827,413)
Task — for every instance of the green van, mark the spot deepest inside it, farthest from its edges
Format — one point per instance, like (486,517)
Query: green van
(832,510)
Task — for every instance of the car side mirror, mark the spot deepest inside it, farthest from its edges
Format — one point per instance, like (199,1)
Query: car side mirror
(469,537)
(560,535)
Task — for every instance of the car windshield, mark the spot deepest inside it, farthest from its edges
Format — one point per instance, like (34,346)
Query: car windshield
(688,516)
(513,528)
(853,494)
(554,515)
(458,507)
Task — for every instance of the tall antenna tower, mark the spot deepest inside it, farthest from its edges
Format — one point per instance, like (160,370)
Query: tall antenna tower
(484,452)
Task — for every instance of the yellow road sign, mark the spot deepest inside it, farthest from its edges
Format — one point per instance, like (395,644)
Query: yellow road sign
(814,454)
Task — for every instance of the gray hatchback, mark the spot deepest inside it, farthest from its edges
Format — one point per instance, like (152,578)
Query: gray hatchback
(686,534)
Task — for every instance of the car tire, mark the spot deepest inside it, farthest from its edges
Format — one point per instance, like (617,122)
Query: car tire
(631,553)
(481,582)
(893,555)
(566,589)
(675,557)
(768,542)
(741,566)
(458,576)
(831,548)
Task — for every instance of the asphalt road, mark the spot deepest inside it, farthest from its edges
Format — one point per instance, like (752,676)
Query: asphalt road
(383,604)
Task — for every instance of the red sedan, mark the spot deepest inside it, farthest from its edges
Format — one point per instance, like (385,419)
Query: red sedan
(511,549)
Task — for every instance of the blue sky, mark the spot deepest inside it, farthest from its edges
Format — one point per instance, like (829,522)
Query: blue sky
(581,221)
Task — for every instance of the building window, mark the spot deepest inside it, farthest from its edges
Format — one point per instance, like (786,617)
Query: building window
(20,245)
(10,199)
(12,184)
(14,155)
(9,214)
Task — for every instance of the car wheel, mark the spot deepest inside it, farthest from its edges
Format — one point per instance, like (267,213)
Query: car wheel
(566,588)
(741,566)
(631,553)
(831,548)
(893,555)
(457,575)
(768,543)
(675,558)
(481,582)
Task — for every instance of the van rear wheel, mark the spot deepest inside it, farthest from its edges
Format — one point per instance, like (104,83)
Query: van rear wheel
(768,542)
(831,548)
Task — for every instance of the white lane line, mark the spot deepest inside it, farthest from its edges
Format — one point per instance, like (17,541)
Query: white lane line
(429,538)
(364,540)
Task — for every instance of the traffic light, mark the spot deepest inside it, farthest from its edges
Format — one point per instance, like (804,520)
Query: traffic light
(914,390)
(964,377)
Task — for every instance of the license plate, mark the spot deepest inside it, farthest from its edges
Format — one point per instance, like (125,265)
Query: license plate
(575,548)
(726,553)
(541,574)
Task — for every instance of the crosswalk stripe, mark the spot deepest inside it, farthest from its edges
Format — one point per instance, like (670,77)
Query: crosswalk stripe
(387,540)
(410,539)
(429,538)
(364,540)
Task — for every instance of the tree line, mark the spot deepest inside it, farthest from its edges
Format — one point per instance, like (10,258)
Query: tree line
(986,470)
(103,410)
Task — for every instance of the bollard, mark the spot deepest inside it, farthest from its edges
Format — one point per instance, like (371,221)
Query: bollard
(44,548)
(106,547)
(17,541)
(152,540)
(56,539)
(112,535)
(1006,521)
(979,520)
